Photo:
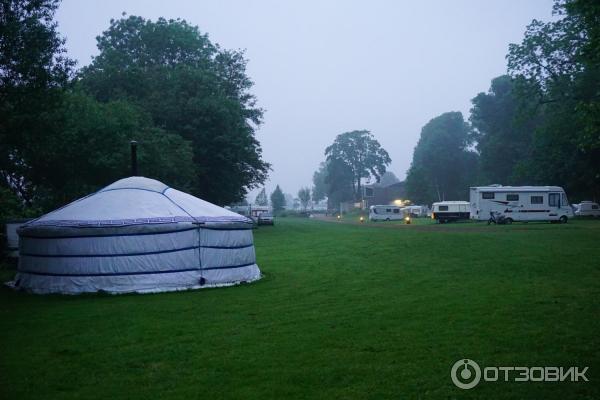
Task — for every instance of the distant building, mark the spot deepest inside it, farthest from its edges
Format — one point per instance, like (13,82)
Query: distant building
(377,194)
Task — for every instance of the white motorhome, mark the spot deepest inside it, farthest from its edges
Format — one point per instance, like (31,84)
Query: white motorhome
(446,211)
(520,203)
(587,209)
(385,213)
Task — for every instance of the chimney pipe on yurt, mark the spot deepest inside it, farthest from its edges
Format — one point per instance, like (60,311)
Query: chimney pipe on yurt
(134,167)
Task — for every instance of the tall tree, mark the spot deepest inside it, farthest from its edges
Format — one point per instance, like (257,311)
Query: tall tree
(339,181)
(362,153)
(559,63)
(91,150)
(33,73)
(503,124)
(304,196)
(277,200)
(320,187)
(443,167)
(261,198)
(189,87)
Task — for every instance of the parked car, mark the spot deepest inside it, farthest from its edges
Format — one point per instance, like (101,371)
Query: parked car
(266,218)
(587,209)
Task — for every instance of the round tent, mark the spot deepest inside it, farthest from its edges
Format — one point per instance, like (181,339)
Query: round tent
(136,235)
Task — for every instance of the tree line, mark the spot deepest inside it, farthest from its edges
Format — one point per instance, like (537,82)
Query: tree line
(64,132)
(537,125)
(279,201)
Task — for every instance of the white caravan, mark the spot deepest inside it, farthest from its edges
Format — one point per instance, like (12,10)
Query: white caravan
(587,209)
(446,211)
(520,203)
(385,213)
(416,211)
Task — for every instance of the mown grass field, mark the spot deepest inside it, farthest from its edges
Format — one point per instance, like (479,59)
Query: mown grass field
(343,311)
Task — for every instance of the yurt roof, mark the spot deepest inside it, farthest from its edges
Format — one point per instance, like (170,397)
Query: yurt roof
(137,200)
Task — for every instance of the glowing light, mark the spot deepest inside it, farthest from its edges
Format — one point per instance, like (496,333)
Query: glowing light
(362,219)
(401,202)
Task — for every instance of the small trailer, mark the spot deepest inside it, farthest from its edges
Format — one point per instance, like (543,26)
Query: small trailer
(520,203)
(11,236)
(416,211)
(385,213)
(447,211)
(587,209)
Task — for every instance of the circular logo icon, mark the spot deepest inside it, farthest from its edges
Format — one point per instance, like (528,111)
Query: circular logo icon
(465,374)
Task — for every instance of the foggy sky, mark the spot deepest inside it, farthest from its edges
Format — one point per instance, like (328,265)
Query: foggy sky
(322,68)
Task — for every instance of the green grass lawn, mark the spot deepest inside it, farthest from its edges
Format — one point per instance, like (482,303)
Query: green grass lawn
(344,311)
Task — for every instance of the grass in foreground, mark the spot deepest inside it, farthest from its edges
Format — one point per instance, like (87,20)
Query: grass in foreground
(343,311)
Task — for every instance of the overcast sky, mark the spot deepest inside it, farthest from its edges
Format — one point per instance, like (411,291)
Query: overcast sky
(322,68)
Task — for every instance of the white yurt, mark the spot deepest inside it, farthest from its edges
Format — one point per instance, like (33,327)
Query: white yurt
(136,235)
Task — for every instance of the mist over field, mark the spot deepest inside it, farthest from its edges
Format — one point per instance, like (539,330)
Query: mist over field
(324,68)
(297,200)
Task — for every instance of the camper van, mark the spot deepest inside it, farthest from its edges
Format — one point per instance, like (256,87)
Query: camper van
(587,209)
(446,211)
(520,203)
(385,213)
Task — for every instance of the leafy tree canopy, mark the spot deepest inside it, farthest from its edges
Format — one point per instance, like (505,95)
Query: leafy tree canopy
(339,180)
(362,153)
(92,150)
(559,61)
(304,196)
(443,167)
(33,74)
(503,124)
(261,198)
(277,200)
(32,54)
(320,187)
(189,87)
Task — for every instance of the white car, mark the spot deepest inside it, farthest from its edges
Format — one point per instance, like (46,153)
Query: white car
(266,219)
